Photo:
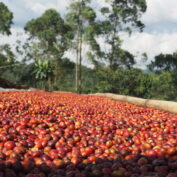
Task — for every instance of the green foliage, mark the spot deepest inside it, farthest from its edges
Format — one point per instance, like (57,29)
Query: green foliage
(20,74)
(174,77)
(43,69)
(47,27)
(5,19)
(120,16)
(164,87)
(125,12)
(80,10)
(7,57)
(136,83)
(164,62)
(122,81)
(50,34)
(145,85)
(65,81)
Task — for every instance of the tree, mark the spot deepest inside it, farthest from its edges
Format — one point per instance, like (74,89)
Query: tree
(49,38)
(120,16)
(51,31)
(49,35)
(164,87)
(81,16)
(5,19)
(164,62)
(145,85)
(125,81)
(6,55)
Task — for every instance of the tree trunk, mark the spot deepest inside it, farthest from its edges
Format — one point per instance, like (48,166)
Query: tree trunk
(79,52)
(80,66)
(76,67)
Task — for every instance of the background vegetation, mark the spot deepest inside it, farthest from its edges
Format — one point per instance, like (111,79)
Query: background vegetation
(41,61)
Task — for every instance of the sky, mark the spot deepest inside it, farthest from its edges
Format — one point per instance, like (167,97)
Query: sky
(159,35)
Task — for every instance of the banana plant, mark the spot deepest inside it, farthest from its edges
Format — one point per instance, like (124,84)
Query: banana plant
(43,71)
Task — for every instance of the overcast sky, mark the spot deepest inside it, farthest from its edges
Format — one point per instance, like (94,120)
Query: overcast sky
(160,19)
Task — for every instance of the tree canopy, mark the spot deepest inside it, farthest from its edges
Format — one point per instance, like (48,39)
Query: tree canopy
(6,17)
(164,62)
(120,16)
(51,32)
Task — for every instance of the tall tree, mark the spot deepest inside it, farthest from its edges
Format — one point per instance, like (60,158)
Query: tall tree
(49,38)
(80,16)
(6,17)
(120,15)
